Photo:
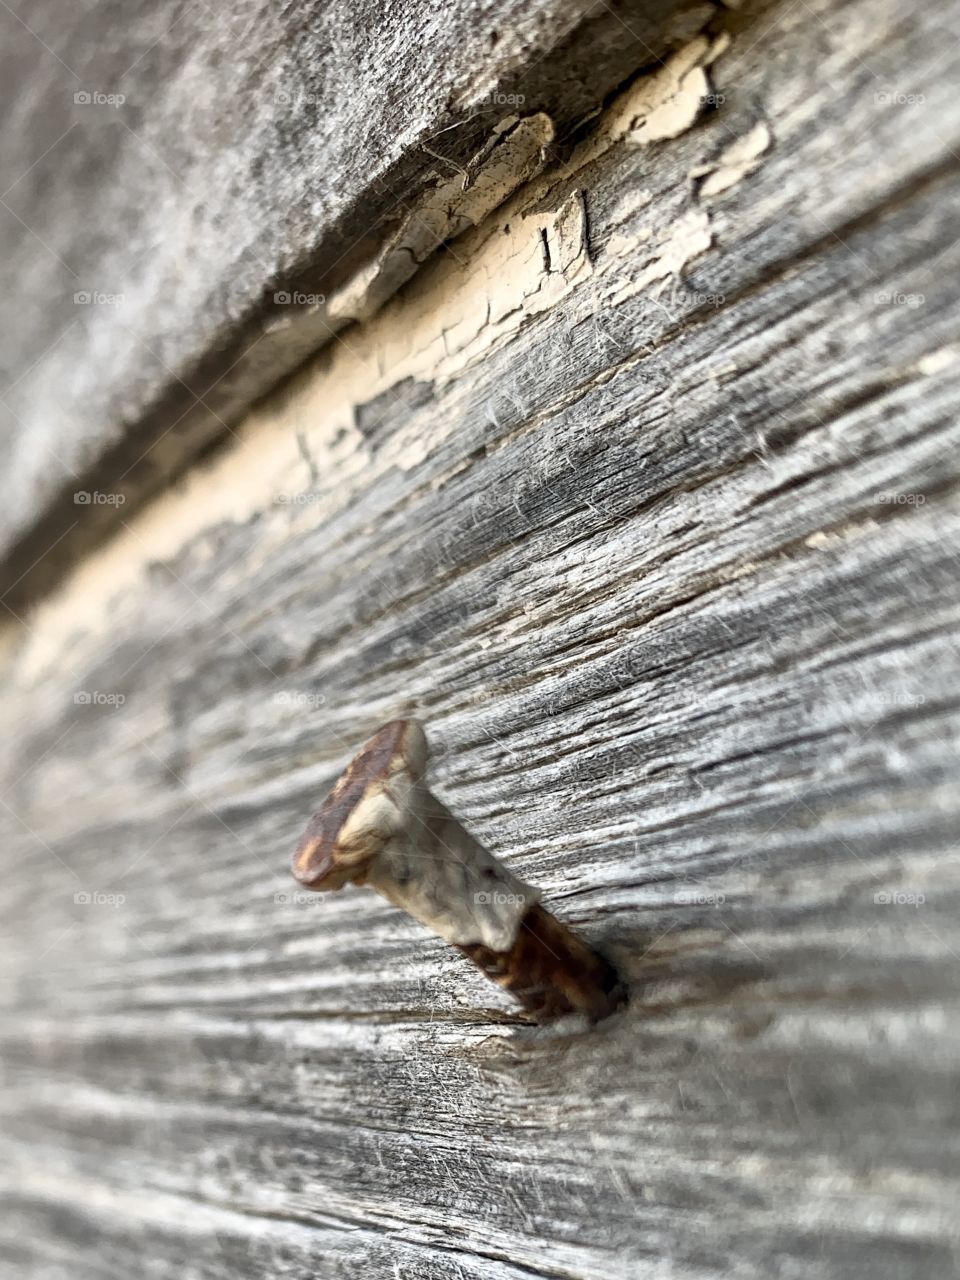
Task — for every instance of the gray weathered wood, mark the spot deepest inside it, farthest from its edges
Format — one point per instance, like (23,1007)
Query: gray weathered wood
(669,569)
(214,161)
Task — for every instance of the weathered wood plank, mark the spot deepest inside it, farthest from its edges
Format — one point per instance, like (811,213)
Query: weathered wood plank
(191,194)
(672,578)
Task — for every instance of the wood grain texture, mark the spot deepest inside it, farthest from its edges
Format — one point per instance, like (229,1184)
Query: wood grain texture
(665,556)
(173,169)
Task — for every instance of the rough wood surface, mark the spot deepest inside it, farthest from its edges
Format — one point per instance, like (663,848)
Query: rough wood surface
(644,497)
(186,192)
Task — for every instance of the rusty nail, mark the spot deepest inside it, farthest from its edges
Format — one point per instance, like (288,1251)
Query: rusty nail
(382,826)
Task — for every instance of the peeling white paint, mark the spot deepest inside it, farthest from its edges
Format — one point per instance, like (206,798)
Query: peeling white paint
(659,106)
(457,202)
(625,242)
(677,114)
(433,334)
(935,362)
(661,92)
(734,162)
(507,265)
(676,245)
(452,314)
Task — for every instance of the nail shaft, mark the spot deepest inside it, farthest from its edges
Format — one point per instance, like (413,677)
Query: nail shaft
(382,826)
